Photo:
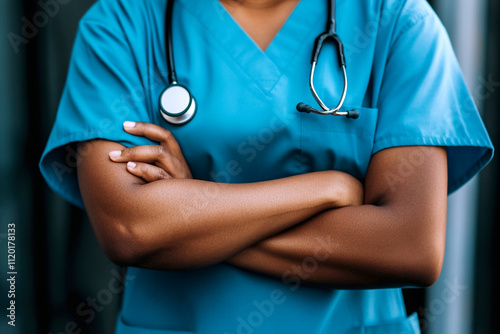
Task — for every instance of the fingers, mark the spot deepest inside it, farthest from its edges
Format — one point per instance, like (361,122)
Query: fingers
(156,154)
(147,172)
(168,155)
(155,133)
(145,153)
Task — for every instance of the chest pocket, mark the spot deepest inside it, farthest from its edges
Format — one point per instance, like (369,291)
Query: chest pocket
(338,143)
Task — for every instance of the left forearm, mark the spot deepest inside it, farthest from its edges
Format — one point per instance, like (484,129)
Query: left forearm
(354,247)
(397,238)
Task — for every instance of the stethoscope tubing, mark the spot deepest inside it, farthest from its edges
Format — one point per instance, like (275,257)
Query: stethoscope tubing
(189,111)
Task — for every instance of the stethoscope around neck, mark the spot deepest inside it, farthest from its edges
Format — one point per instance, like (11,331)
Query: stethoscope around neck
(178,106)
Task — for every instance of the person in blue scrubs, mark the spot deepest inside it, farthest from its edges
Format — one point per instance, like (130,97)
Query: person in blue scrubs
(253,217)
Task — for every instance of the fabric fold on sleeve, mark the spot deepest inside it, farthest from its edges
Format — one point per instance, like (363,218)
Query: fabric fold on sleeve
(104,88)
(424,100)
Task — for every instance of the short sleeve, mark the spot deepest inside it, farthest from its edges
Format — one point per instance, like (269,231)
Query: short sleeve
(103,89)
(423,97)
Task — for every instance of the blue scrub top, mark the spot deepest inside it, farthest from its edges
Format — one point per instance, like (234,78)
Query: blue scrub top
(403,78)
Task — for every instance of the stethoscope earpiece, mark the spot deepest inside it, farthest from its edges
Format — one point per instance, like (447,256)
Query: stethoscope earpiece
(177,105)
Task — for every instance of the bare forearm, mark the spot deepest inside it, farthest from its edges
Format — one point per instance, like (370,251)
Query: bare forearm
(186,223)
(396,239)
(200,223)
(353,247)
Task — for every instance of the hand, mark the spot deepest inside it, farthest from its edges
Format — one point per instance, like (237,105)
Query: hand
(153,162)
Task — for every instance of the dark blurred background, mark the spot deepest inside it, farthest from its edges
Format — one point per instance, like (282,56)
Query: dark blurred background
(62,275)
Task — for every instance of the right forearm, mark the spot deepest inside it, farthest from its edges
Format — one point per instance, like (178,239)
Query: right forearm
(185,223)
(191,223)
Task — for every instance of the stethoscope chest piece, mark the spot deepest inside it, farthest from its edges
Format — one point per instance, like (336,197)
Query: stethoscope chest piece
(177,105)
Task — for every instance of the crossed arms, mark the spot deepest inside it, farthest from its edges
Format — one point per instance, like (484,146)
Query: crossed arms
(148,211)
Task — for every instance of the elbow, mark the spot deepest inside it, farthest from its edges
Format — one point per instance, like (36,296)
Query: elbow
(120,245)
(429,273)
(427,265)
(138,247)
(118,241)
(424,249)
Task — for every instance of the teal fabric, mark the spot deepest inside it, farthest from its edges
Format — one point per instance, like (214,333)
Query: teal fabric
(403,78)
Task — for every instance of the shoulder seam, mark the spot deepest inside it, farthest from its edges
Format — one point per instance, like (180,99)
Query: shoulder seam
(413,19)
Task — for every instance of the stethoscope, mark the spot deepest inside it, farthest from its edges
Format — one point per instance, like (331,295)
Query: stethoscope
(178,106)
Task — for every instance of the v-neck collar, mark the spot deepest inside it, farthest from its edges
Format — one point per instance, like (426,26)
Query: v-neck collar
(264,68)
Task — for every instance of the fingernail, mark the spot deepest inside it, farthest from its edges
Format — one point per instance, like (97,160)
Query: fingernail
(131,164)
(128,124)
(115,154)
